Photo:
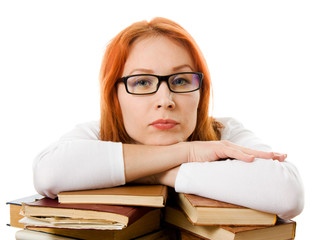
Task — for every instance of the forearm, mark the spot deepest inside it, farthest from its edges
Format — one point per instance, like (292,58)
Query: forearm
(78,165)
(88,164)
(265,185)
(141,160)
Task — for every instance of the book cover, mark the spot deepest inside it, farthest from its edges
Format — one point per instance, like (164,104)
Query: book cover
(282,230)
(164,233)
(47,207)
(133,195)
(205,211)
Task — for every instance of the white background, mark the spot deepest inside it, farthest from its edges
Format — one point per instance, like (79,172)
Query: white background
(264,58)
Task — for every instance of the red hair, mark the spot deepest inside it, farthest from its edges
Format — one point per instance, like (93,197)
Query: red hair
(112,126)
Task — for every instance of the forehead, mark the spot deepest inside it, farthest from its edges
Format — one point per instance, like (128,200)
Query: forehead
(159,54)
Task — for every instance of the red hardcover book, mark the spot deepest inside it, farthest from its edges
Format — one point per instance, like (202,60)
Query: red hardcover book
(47,207)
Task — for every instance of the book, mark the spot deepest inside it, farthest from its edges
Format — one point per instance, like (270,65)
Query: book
(162,234)
(71,223)
(184,235)
(133,195)
(148,223)
(15,208)
(282,230)
(47,207)
(165,233)
(205,211)
(35,235)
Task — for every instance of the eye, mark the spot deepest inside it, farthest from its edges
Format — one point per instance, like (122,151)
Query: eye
(180,82)
(141,82)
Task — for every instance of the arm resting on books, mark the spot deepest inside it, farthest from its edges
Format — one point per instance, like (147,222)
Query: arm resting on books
(80,160)
(78,165)
(265,185)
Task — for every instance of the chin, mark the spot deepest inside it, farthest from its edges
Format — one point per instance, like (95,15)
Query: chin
(163,141)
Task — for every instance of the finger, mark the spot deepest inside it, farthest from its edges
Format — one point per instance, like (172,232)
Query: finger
(231,152)
(280,157)
(249,151)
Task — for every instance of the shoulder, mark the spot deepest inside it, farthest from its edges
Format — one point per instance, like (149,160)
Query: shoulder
(231,127)
(87,130)
(234,131)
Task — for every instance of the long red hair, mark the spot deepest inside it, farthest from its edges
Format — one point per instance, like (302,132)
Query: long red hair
(112,126)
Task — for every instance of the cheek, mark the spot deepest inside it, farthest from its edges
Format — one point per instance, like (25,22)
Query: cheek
(132,109)
(191,111)
(194,103)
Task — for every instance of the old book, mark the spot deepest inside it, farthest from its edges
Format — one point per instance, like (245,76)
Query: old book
(205,211)
(15,208)
(133,195)
(47,207)
(282,230)
(146,224)
(35,235)
(184,235)
(71,223)
(165,233)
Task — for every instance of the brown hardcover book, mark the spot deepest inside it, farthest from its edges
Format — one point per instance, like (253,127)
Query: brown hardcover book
(15,208)
(282,230)
(184,235)
(133,195)
(47,207)
(146,224)
(205,211)
(165,233)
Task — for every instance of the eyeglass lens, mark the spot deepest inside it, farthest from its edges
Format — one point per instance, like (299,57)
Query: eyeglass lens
(144,84)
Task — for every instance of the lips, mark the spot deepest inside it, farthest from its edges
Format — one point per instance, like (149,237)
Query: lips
(164,124)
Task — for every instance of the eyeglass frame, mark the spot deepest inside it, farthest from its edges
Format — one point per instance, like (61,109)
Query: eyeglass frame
(160,78)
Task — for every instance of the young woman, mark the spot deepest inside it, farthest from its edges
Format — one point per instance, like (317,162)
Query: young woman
(155,128)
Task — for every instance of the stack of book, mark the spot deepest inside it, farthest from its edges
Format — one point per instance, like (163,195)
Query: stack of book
(141,212)
(203,218)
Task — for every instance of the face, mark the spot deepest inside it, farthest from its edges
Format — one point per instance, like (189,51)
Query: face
(164,117)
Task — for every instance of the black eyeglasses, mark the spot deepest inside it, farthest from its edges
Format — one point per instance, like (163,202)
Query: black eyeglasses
(143,84)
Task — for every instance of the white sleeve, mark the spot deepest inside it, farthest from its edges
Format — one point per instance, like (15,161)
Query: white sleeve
(265,185)
(78,161)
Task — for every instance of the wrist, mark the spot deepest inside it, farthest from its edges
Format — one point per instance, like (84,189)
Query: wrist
(182,152)
(167,178)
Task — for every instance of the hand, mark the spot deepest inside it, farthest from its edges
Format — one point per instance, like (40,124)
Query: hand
(215,150)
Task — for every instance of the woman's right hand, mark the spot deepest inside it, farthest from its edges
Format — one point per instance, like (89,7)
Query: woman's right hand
(200,151)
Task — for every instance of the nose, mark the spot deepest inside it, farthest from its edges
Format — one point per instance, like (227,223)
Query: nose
(164,97)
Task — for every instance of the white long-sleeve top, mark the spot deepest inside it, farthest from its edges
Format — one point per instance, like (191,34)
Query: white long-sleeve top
(80,160)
